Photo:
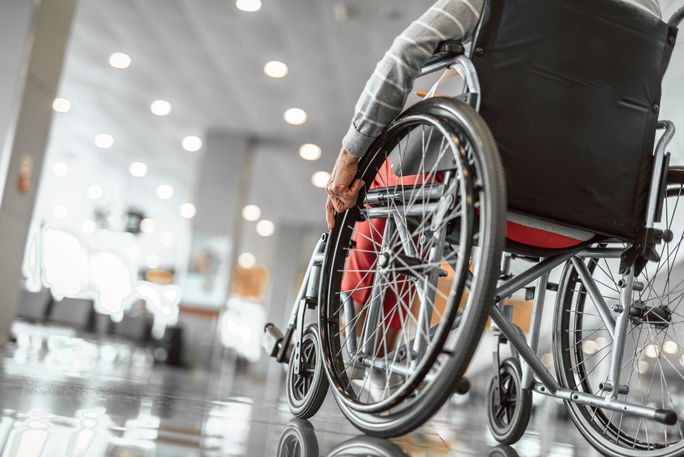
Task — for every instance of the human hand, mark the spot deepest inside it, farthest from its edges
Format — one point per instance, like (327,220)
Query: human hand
(342,192)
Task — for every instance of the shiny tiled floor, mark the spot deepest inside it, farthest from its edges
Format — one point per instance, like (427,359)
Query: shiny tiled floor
(61,406)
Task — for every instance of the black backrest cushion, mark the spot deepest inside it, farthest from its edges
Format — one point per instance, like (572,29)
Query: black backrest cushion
(571,90)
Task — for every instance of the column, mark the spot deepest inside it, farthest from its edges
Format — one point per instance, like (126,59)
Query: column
(33,37)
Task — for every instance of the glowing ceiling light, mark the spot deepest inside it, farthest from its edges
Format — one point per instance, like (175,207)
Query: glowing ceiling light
(104,141)
(249,6)
(165,191)
(589,347)
(94,192)
(120,60)
(310,151)
(295,116)
(320,179)
(89,226)
(246,260)
(265,227)
(652,351)
(138,169)
(275,69)
(670,347)
(60,169)
(187,210)
(160,107)
(147,225)
(61,105)
(251,213)
(59,212)
(192,143)
(642,366)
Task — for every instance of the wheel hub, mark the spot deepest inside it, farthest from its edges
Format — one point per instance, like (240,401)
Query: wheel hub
(660,316)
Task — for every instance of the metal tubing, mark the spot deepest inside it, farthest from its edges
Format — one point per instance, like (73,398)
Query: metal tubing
(658,170)
(602,253)
(529,275)
(535,324)
(418,193)
(349,315)
(377,297)
(620,331)
(518,341)
(416,209)
(316,257)
(600,402)
(595,295)
(427,297)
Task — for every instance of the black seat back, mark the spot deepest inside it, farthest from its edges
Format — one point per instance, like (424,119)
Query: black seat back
(571,91)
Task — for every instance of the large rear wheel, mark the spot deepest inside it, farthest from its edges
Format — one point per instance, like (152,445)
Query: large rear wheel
(410,272)
(653,357)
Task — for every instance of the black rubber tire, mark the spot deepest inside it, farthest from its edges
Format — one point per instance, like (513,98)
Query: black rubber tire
(508,431)
(503,451)
(298,439)
(367,446)
(305,402)
(584,420)
(465,120)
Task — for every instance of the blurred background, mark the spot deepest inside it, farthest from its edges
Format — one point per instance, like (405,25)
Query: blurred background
(162,165)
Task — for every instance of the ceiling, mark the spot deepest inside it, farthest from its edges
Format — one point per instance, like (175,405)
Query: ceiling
(206,57)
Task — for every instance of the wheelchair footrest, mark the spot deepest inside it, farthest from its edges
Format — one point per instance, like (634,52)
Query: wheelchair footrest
(272,340)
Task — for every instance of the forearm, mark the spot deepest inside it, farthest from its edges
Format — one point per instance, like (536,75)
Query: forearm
(388,87)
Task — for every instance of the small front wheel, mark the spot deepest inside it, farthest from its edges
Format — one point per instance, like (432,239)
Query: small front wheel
(306,390)
(508,409)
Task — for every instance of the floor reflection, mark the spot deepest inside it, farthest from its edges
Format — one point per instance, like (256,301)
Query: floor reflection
(128,407)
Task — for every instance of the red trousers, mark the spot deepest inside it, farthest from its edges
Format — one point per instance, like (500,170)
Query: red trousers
(358,277)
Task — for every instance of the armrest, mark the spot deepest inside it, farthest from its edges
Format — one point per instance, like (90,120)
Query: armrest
(443,57)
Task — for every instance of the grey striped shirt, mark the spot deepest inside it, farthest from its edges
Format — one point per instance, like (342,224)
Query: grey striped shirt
(386,91)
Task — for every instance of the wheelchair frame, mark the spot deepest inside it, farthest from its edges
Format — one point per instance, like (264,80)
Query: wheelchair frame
(533,368)
(535,376)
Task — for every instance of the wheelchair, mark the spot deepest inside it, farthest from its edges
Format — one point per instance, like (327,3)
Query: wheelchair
(547,158)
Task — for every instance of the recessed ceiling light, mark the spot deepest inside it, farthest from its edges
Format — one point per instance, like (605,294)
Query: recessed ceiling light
(246,260)
(251,212)
(187,210)
(138,169)
(265,227)
(310,152)
(61,105)
(147,225)
(165,191)
(192,143)
(59,212)
(166,239)
(152,261)
(248,5)
(320,179)
(160,107)
(60,169)
(275,69)
(295,116)
(104,141)
(94,192)
(89,226)
(120,60)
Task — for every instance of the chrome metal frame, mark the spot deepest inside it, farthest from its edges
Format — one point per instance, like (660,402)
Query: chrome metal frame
(535,374)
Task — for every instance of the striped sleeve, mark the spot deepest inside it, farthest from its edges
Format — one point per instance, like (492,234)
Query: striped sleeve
(388,87)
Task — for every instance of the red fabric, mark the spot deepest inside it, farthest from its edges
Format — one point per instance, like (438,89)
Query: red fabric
(361,282)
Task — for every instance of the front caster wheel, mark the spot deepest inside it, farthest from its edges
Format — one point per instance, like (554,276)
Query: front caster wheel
(306,390)
(508,411)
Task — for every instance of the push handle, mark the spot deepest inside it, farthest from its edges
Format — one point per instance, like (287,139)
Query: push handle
(676,18)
